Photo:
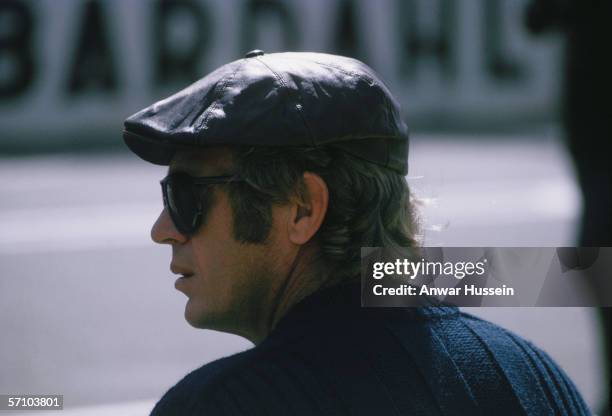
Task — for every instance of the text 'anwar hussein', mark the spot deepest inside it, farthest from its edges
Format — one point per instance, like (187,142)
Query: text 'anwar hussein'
(281,167)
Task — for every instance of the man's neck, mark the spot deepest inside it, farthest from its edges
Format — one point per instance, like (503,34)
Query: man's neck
(305,277)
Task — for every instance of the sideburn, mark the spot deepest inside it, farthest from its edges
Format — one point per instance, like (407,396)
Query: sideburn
(252,214)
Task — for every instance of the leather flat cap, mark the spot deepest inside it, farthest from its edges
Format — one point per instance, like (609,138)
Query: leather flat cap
(279,99)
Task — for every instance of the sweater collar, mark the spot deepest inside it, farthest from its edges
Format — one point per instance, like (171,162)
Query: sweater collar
(341,298)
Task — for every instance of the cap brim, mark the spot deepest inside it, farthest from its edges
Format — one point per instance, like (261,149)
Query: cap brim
(389,153)
(153,151)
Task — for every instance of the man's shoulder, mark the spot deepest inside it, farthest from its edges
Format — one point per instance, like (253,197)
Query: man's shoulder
(504,364)
(248,382)
(482,365)
(200,389)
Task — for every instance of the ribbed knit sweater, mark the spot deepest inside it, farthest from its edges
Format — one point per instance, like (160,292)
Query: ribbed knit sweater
(329,356)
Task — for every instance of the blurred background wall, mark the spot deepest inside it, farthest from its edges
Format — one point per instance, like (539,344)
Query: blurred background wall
(71,70)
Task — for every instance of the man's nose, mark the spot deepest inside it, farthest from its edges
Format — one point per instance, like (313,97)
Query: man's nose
(164,231)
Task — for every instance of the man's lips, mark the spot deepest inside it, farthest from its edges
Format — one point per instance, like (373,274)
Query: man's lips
(185,276)
(180,283)
(184,272)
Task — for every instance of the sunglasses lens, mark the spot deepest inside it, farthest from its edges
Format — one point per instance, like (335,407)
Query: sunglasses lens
(181,200)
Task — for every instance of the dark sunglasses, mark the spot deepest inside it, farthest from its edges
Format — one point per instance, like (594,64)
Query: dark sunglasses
(185,201)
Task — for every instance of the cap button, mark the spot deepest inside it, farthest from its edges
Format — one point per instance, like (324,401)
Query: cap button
(254,53)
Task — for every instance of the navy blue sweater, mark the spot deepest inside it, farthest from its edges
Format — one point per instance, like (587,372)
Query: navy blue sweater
(329,356)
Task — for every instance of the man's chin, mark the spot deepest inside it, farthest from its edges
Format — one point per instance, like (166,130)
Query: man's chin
(195,316)
(203,319)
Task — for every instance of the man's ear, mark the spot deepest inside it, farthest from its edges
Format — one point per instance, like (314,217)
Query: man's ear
(307,215)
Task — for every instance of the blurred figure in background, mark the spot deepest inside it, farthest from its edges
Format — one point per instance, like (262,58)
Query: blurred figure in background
(586,116)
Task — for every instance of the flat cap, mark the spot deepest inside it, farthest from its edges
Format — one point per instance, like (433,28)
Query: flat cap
(279,99)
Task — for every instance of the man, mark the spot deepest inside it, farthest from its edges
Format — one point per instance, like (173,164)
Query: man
(281,167)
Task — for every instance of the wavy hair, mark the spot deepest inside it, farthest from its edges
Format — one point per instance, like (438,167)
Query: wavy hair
(369,205)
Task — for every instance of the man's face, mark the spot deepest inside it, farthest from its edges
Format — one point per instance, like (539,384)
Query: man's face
(228,283)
